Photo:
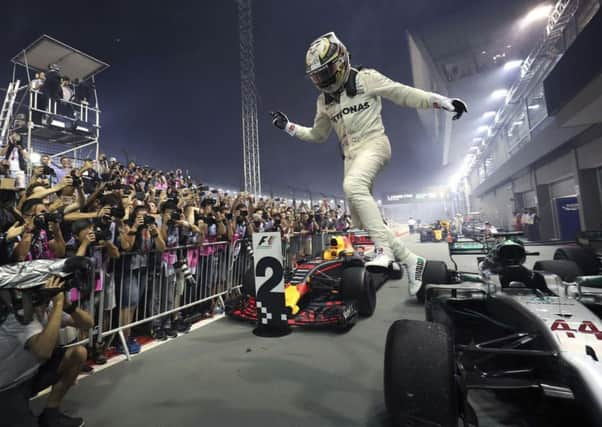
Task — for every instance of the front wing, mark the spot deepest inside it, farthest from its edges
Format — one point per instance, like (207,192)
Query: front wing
(319,312)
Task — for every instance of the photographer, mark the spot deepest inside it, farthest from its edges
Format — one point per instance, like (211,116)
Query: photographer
(11,223)
(48,170)
(30,360)
(132,270)
(164,298)
(16,156)
(42,237)
(89,176)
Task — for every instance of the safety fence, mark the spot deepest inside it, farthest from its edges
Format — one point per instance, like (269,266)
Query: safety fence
(159,286)
(138,288)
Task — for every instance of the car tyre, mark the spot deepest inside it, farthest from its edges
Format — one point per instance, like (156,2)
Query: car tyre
(565,269)
(358,284)
(585,259)
(435,273)
(420,387)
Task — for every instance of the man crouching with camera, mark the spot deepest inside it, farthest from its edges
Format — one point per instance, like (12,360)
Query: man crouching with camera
(30,359)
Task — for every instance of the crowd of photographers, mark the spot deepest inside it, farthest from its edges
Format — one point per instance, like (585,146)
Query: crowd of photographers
(132,222)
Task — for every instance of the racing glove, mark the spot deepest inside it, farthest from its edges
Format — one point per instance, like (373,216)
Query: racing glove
(279,119)
(453,105)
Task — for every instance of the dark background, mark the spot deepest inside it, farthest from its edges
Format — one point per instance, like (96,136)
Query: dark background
(172,98)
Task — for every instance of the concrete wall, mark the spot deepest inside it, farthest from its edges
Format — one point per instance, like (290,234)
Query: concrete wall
(555,170)
(523,183)
(591,203)
(590,154)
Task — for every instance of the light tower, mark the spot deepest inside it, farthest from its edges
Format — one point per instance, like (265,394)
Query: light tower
(248,95)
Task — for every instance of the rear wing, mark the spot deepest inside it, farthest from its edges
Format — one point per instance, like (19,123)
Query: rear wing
(506,234)
(468,247)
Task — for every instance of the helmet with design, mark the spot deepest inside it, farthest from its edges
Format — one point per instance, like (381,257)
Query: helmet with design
(327,63)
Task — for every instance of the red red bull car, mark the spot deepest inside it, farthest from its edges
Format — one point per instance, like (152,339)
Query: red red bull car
(333,290)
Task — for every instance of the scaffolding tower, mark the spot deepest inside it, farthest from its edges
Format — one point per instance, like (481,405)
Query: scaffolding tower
(37,105)
(248,94)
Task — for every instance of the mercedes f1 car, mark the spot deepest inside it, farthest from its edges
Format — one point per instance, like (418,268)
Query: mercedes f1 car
(504,328)
(332,290)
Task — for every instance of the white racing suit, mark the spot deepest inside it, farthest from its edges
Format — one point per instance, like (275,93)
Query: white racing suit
(358,124)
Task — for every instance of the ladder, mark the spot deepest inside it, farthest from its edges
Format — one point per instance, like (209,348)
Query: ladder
(7,109)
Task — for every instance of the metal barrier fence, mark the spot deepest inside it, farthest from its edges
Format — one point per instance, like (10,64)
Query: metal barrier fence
(139,288)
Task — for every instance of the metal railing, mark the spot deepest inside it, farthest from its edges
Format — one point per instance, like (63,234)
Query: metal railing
(138,288)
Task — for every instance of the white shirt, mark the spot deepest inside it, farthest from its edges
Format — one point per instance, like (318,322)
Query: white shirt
(67,93)
(36,84)
(411,222)
(17,364)
(13,160)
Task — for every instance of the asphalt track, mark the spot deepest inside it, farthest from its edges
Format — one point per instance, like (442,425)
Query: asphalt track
(223,375)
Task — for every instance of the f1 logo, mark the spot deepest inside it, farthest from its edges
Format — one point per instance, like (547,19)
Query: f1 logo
(266,241)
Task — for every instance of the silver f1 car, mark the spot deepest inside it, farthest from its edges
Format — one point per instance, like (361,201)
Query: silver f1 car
(504,328)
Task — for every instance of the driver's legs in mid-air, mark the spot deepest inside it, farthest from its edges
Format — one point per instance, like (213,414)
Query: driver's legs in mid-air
(362,165)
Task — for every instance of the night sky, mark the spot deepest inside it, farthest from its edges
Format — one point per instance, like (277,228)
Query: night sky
(172,97)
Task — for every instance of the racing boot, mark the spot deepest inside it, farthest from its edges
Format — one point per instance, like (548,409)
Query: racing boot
(414,265)
(382,262)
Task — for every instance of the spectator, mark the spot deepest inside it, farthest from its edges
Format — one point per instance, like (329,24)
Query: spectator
(412,225)
(489,229)
(16,157)
(65,168)
(42,237)
(518,222)
(89,176)
(526,221)
(164,293)
(134,270)
(52,87)
(30,361)
(534,225)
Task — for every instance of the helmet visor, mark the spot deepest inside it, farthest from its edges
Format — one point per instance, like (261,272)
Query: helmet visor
(325,76)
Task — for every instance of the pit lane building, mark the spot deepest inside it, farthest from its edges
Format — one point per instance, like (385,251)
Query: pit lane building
(533,138)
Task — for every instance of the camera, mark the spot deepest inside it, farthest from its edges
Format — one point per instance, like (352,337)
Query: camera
(53,216)
(149,220)
(114,186)
(77,181)
(176,216)
(41,221)
(208,201)
(47,170)
(101,233)
(117,212)
(140,195)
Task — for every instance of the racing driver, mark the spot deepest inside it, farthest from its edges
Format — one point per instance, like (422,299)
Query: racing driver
(351,103)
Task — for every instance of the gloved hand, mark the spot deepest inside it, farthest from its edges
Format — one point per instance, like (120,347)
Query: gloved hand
(459,108)
(453,105)
(279,119)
